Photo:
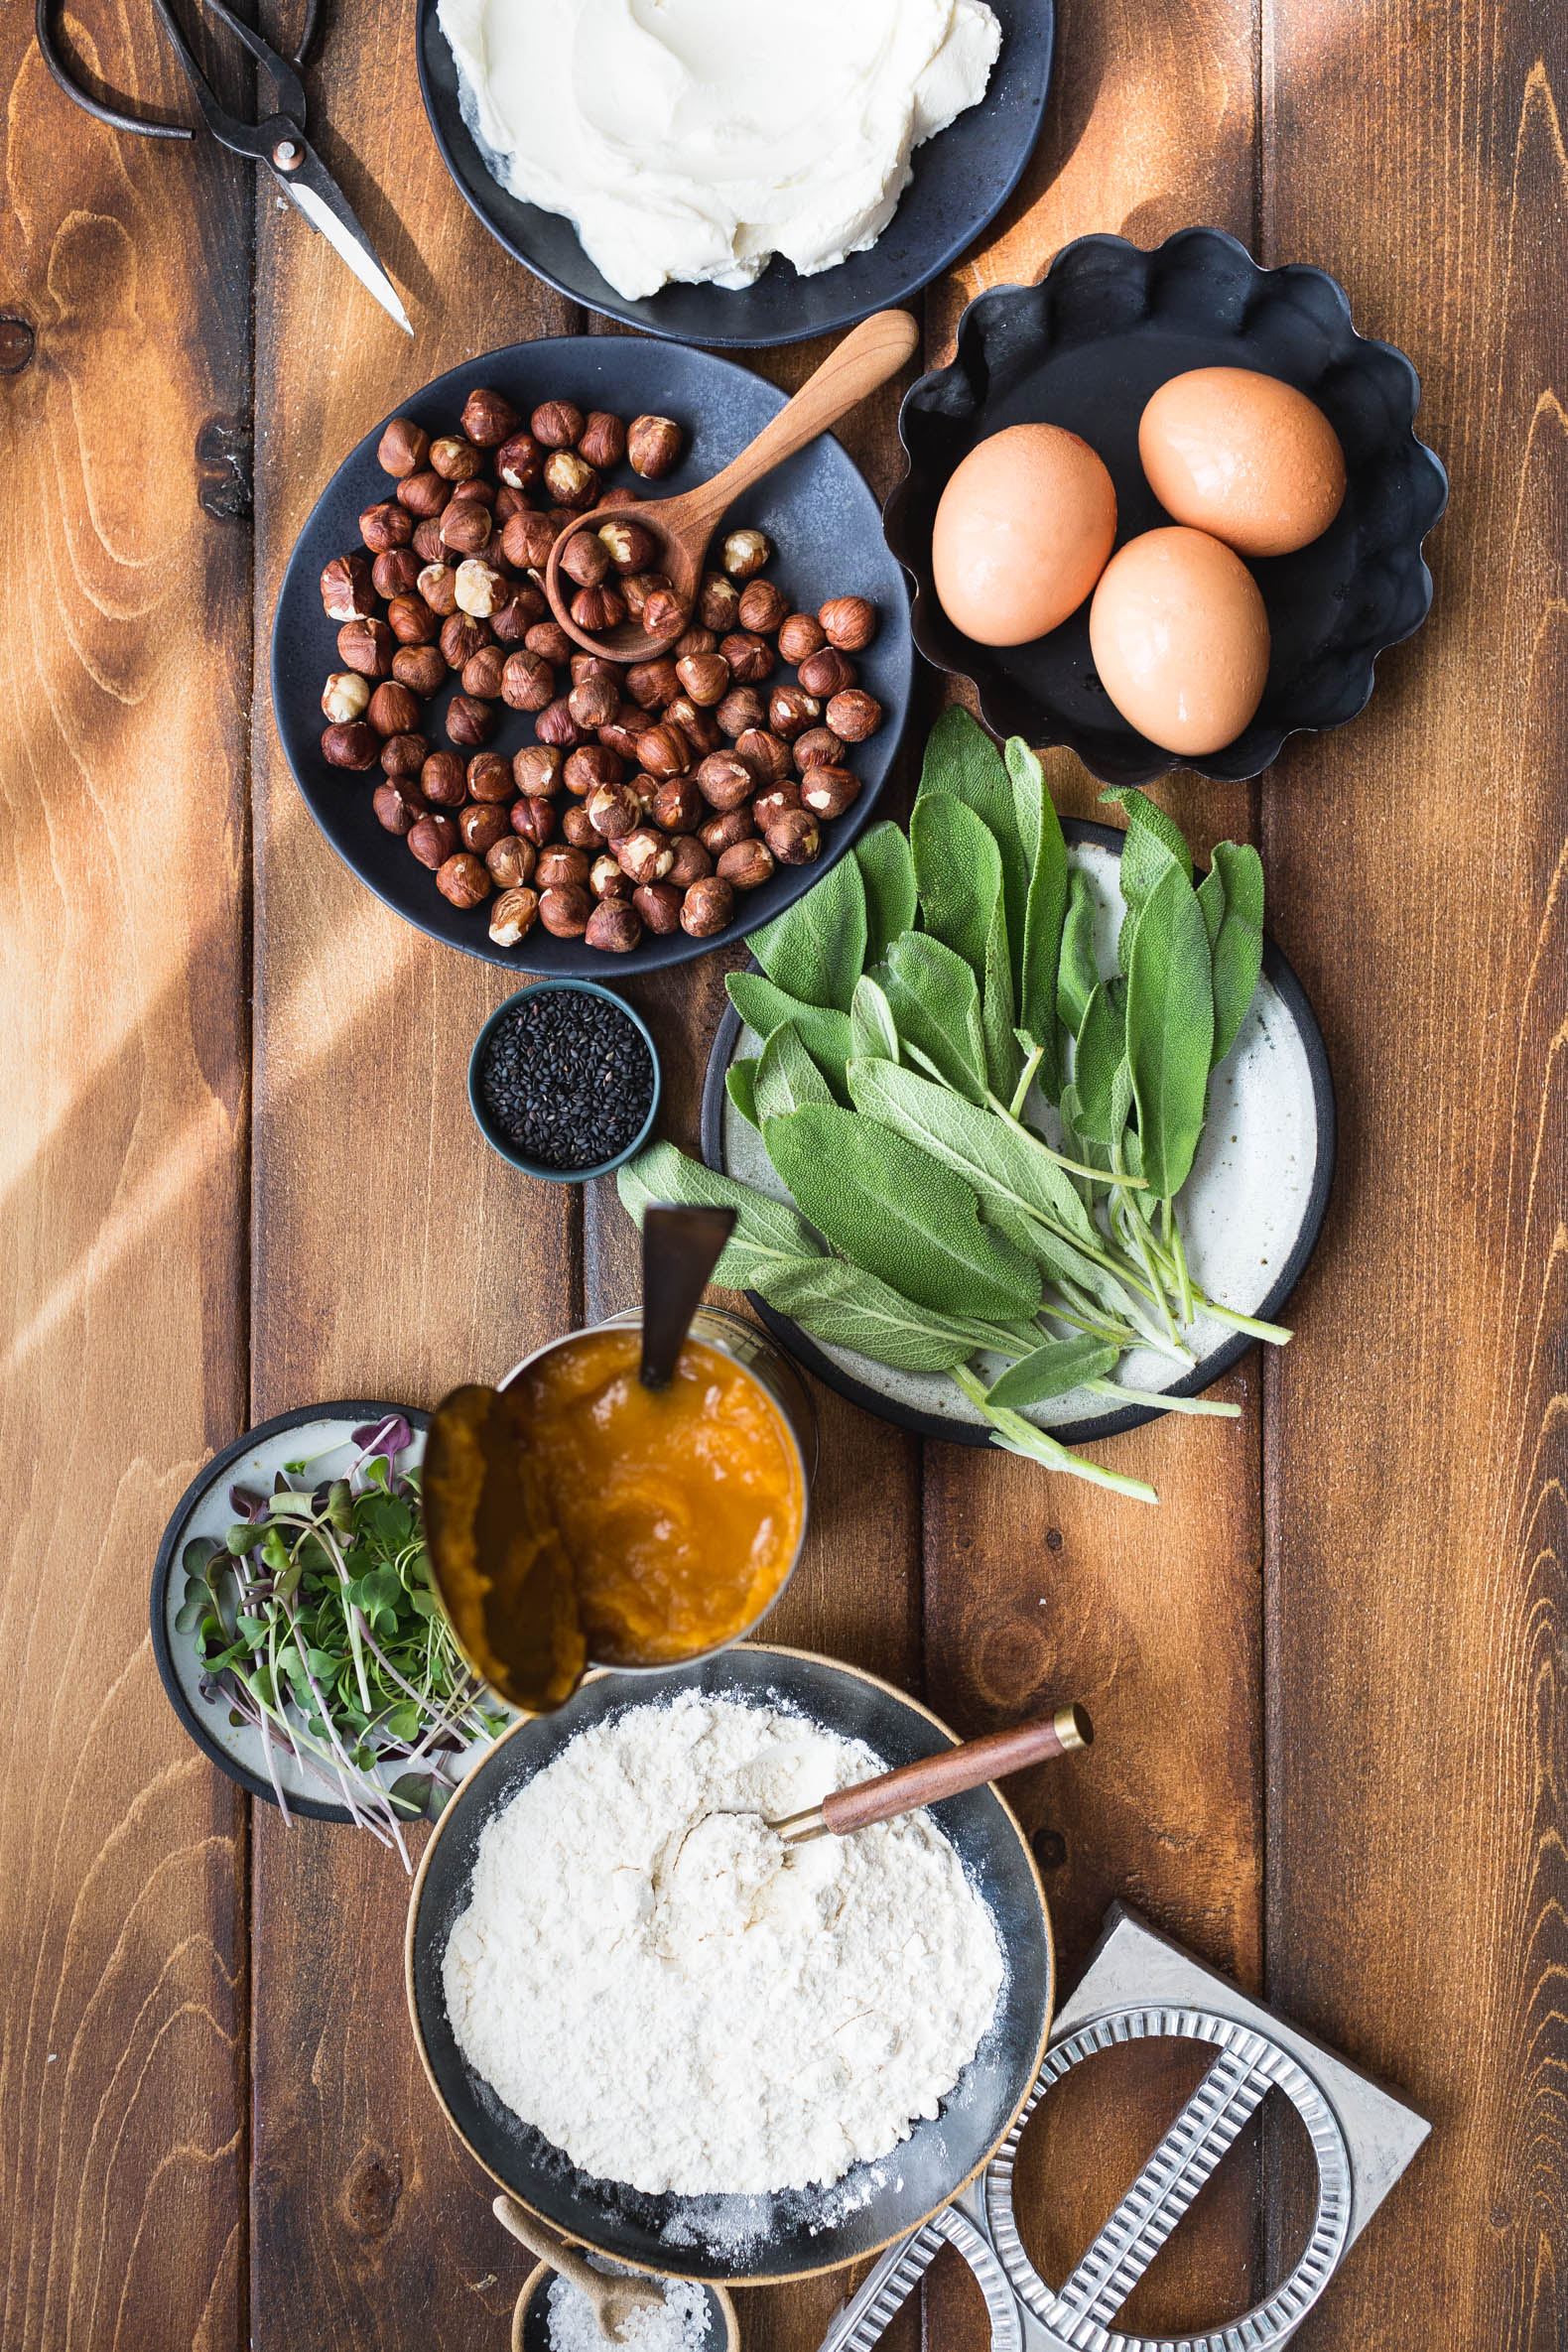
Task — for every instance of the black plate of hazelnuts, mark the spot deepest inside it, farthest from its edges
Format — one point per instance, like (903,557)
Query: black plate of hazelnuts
(540,807)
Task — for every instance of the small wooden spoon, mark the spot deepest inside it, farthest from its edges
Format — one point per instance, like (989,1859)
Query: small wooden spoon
(682,527)
(613,2299)
(933,1777)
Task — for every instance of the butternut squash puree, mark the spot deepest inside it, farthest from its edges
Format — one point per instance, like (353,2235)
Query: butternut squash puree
(679,1509)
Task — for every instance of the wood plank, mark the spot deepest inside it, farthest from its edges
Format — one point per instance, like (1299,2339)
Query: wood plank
(1415,1520)
(123,678)
(393,1254)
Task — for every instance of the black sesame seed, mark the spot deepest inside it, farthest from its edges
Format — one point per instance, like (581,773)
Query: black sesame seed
(568,1078)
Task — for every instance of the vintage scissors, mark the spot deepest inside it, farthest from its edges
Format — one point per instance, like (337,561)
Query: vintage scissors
(279,142)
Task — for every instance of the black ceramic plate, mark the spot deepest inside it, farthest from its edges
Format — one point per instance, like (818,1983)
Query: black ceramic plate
(963,178)
(747,2239)
(1086,348)
(194,1514)
(816,509)
(904,1401)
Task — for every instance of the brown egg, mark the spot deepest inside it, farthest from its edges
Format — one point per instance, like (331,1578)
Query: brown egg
(1244,456)
(1022,533)
(1180,639)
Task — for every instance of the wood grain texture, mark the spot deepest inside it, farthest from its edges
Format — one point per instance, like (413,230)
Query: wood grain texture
(1416,1464)
(124,666)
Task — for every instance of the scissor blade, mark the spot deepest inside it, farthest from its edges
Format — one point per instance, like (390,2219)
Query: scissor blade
(326,207)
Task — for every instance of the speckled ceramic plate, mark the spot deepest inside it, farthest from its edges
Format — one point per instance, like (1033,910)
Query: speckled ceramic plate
(1251,1212)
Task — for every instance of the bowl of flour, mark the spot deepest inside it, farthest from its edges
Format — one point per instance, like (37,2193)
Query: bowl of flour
(692,2048)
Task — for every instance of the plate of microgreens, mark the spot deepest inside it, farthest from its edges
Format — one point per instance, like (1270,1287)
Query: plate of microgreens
(296,1630)
(1029,1130)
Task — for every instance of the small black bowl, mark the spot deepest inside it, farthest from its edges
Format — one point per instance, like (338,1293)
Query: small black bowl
(1086,348)
(962,180)
(497,1136)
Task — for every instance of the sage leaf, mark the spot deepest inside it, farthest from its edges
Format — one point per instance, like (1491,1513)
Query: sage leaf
(816,950)
(1231,895)
(887,874)
(1102,1053)
(1153,843)
(958,870)
(787,1076)
(1171,1029)
(963,764)
(823,1030)
(1052,1371)
(768,1233)
(1038,954)
(845,1307)
(1015,1435)
(741,1085)
(997,1007)
(872,1031)
(1078,973)
(900,1213)
(936,1005)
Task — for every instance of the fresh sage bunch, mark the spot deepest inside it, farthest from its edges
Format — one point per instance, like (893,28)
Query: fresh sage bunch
(918,1008)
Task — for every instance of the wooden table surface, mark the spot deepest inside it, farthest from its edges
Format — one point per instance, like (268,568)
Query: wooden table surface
(240,1174)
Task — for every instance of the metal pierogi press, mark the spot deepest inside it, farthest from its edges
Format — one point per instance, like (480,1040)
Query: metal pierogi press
(1140,1986)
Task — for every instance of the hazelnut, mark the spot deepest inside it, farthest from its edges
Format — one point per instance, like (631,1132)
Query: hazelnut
(345,696)
(413,621)
(594,702)
(762,606)
(577,827)
(631,546)
(366,646)
(425,495)
(437,585)
(526,541)
(556,424)
(700,727)
(555,724)
(569,480)
(791,711)
(613,811)
(513,916)
(676,803)
(799,636)
(691,862)
(588,766)
(355,744)
(707,907)
(432,838)
(819,746)
(663,750)
(854,714)
(468,720)
(606,879)
(705,675)
(724,780)
(535,771)
(397,805)
(464,879)
(420,667)
(510,861)
(347,590)
(614,925)
(750,658)
(518,615)
(443,781)
(745,553)
(404,755)
(765,753)
(773,802)
(550,641)
(426,541)
(456,458)
(534,821)
(486,418)
(462,636)
(596,665)
(849,622)
(746,865)
(482,825)
(482,673)
(653,444)
(565,912)
(638,586)
(597,608)
(665,613)
(825,673)
(620,731)
(557,867)
(735,825)
(741,708)
(479,587)
(395,572)
(647,790)
(527,682)
(520,460)
(393,710)
(694,640)
(644,855)
(603,440)
(403,447)
(829,791)
(490,778)
(507,502)
(653,684)
(585,559)
(794,836)
(465,528)
(659,904)
(718,602)
(386,525)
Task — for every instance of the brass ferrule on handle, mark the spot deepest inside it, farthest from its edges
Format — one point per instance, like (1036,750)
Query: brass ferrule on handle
(933,1777)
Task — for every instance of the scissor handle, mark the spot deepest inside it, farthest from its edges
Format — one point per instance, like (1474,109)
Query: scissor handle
(282,72)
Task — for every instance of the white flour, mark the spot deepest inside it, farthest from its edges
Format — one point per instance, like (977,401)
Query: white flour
(716,2012)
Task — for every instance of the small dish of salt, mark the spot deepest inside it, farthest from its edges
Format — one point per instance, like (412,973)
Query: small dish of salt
(553,2315)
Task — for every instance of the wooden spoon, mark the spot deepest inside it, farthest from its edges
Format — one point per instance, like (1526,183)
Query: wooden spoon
(933,1777)
(613,2299)
(682,527)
